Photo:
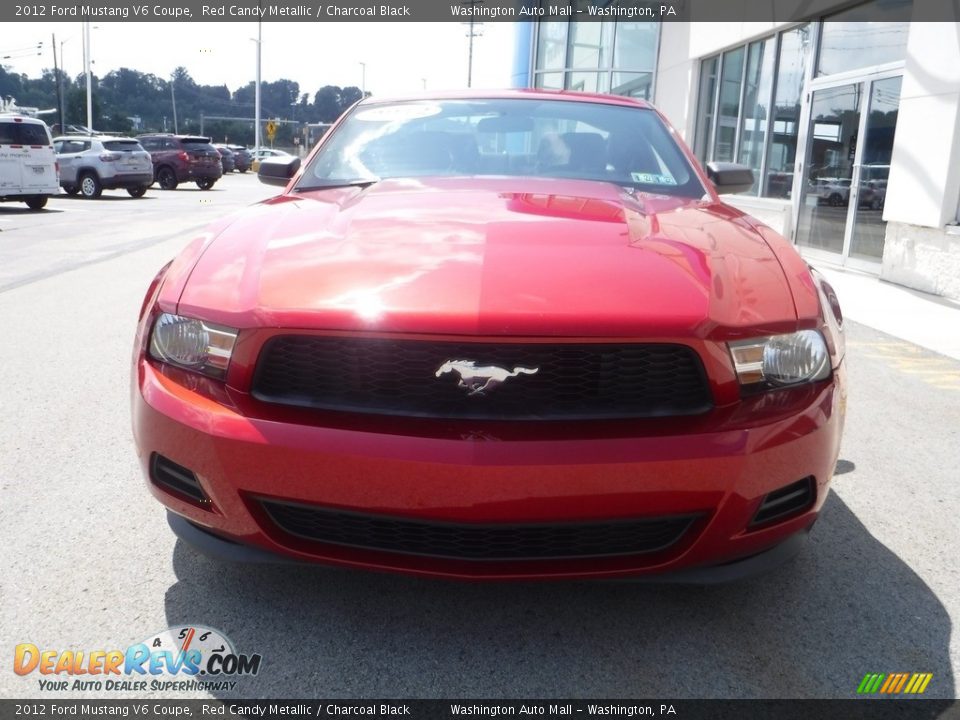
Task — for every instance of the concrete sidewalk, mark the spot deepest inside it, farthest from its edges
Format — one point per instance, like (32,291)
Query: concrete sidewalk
(926,320)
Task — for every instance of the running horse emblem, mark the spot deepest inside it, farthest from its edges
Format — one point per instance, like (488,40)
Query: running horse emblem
(479,379)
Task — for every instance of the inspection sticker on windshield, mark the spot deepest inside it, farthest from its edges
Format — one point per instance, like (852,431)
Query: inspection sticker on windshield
(402,111)
(650,179)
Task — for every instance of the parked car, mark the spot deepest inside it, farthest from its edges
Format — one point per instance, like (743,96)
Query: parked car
(91,164)
(28,165)
(241,157)
(258,154)
(832,191)
(494,336)
(226,158)
(873,194)
(183,158)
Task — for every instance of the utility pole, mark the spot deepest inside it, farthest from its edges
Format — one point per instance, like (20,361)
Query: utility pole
(474,29)
(363,79)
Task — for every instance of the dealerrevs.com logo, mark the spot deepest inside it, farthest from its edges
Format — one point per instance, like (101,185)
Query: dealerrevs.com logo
(177,659)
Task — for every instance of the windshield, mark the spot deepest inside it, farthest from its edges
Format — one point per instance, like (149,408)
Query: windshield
(513,137)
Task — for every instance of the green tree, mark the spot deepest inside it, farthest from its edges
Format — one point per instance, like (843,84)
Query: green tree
(327,103)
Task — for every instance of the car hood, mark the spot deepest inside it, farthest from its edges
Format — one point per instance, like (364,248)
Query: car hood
(498,256)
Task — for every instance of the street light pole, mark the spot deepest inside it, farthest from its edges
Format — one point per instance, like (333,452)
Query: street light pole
(173,100)
(63,71)
(363,79)
(256,100)
(86,64)
(56,71)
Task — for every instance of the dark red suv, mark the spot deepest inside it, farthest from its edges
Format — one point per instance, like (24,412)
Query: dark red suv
(182,158)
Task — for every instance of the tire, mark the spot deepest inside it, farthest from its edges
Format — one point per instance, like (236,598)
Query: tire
(242,170)
(90,186)
(167,179)
(138,191)
(71,189)
(205,183)
(835,200)
(36,202)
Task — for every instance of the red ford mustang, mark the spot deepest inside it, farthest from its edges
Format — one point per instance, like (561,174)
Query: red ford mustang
(493,335)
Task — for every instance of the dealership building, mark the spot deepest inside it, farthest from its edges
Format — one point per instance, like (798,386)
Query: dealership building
(850,120)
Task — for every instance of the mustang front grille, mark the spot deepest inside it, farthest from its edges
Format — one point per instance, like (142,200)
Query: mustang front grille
(533,541)
(492,381)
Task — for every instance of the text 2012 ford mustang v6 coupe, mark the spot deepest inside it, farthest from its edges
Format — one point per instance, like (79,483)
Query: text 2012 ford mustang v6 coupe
(493,335)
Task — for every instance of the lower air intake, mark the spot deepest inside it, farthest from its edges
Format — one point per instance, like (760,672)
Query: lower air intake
(469,541)
(172,477)
(786,502)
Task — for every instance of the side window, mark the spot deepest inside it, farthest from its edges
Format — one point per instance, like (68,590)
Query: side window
(169,144)
(58,146)
(6,133)
(148,144)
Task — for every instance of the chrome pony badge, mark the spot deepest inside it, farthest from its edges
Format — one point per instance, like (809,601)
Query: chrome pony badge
(480,379)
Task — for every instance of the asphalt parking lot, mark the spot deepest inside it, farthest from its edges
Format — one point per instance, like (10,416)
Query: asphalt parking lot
(89,562)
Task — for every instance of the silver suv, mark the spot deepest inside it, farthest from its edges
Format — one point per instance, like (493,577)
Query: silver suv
(91,164)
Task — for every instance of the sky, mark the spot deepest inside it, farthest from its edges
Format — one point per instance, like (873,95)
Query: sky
(396,57)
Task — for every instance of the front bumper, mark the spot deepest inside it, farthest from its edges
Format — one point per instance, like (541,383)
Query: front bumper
(471,477)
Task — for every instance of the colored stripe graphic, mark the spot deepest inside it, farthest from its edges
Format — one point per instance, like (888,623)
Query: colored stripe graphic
(889,684)
(870,683)
(894,683)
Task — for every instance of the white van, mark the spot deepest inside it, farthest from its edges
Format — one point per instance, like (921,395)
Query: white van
(28,165)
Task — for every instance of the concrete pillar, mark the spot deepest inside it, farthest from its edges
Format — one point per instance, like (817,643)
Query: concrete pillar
(924,183)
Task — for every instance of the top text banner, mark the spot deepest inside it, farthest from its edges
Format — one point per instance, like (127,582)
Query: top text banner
(453,11)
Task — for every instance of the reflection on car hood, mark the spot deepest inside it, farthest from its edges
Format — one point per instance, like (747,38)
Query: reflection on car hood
(490,256)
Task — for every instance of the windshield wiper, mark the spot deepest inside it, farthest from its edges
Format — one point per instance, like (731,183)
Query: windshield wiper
(361,183)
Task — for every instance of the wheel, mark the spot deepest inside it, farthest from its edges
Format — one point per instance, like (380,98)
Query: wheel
(167,178)
(205,183)
(137,191)
(836,200)
(242,170)
(71,189)
(90,186)
(36,202)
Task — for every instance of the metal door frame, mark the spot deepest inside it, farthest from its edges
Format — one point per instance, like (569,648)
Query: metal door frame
(865,79)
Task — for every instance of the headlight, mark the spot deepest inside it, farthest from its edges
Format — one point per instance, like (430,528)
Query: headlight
(781,360)
(192,344)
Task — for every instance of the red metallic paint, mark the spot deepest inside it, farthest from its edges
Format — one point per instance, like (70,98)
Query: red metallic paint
(514,260)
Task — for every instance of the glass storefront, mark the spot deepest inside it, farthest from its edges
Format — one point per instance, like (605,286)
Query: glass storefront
(763,102)
(607,57)
(820,97)
(748,109)
(850,140)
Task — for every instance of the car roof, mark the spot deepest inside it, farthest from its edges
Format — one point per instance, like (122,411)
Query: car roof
(102,138)
(17,117)
(176,137)
(521,93)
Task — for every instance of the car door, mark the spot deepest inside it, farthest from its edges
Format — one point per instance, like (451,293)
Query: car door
(69,156)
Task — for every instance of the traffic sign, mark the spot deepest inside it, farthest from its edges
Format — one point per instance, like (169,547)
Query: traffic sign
(271,130)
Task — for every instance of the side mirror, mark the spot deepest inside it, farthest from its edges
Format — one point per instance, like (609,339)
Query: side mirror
(729,178)
(278,170)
